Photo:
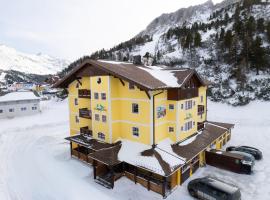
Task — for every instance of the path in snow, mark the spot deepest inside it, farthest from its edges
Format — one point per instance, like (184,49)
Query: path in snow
(35,161)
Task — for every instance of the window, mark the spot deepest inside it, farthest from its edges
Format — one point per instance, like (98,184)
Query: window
(194,103)
(104,118)
(171,129)
(171,106)
(131,86)
(101,136)
(135,108)
(182,106)
(188,126)
(34,108)
(201,98)
(1,111)
(11,110)
(182,128)
(76,101)
(97,117)
(103,96)
(23,109)
(77,120)
(135,131)
(96,95)
(193,123)
(188,105)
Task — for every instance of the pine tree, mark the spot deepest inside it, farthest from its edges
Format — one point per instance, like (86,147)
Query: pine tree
(228,39)
(251,26)
(260,25)
(268,31)
(258,59)
(248,3)
(238,27)
(222,34)
(226,18)
(197,39)
(188,41)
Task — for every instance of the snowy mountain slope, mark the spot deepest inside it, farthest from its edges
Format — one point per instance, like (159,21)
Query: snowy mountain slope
(11,59)
(178,18)
(221,41)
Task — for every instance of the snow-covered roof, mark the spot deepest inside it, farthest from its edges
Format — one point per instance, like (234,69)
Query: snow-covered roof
(145,77)
(130,152)
(18,96)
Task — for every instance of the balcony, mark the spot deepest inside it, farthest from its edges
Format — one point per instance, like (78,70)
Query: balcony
(200,109)
(85,113)
(86,131)
(84,93)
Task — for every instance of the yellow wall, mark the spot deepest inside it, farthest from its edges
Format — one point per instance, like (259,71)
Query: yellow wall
(118,111)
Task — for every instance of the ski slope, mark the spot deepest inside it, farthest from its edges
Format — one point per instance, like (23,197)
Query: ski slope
(35,161)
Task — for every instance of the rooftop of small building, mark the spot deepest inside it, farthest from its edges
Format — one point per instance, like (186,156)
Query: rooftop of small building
(18,96)
(164,159)
(146,77)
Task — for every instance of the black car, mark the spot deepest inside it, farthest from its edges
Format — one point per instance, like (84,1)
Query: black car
(250,150)
(212,189)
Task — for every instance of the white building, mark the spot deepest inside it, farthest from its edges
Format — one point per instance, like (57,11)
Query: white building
(18,104)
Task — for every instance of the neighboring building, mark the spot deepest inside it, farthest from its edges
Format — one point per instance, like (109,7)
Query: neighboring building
(145,122)
(18,104)
(21,86)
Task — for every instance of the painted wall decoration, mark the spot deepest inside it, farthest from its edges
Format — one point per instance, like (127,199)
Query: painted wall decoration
(188,116)
(161,111)
(100,107)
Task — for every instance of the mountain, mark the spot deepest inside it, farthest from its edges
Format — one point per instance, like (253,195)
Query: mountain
(16,66)
(11,59)
(227,43)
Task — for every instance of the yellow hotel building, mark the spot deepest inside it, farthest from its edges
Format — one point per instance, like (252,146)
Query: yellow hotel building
(148,123)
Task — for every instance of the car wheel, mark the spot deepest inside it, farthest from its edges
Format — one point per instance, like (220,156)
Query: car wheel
(192,193)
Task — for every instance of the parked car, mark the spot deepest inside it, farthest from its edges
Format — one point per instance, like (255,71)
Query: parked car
(211,189)
(248,161)
(251,150)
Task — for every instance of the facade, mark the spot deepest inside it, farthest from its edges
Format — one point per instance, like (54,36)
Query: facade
(19,104)
(148,123)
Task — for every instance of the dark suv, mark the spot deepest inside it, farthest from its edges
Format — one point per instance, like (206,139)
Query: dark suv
(211,189)
(250,150)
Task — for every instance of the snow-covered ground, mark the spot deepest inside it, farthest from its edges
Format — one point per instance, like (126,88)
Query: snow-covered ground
(35,161)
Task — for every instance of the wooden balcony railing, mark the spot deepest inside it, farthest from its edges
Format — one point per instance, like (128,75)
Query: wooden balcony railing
(86,131)
(85,113)
(84,93)
(200,109)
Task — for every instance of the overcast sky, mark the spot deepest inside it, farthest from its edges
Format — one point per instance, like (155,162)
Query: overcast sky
(73,28)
